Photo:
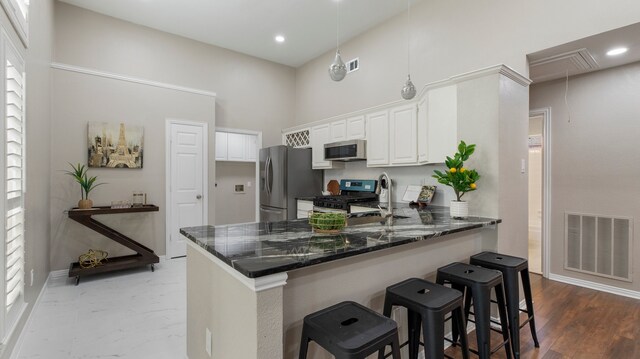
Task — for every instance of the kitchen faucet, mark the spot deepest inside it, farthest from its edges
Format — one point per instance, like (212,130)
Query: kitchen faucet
(387,184)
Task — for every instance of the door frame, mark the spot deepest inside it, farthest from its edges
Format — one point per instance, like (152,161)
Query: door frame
(545,112)
(256,183)
(169,122)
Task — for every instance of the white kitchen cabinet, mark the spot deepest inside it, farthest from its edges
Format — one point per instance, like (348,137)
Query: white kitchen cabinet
(237,147)
(423,133)
(442,121)
(356,128)
(403,141)
(221,146)
(303,208)
(250,147)
(320,135)
(378,139)
(338,130)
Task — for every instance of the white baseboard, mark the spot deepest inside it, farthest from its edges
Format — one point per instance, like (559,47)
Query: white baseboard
(18,346)
(596,286)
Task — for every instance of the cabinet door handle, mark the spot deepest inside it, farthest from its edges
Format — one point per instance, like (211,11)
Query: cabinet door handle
(198,196)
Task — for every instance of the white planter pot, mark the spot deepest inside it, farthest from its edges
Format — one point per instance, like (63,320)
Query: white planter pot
(459,209)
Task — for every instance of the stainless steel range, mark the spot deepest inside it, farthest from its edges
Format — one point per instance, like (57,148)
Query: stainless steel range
(351,192)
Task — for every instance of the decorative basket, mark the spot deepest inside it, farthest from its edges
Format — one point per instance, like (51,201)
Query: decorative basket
(327,222)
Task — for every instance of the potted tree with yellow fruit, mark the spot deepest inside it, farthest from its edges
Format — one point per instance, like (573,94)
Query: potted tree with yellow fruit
(461,179)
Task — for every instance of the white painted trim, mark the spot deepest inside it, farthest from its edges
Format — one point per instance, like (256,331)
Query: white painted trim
(110,75)
(256,284)
(546,187)
(595,286)
(20,341)
(496,69)
(205,175)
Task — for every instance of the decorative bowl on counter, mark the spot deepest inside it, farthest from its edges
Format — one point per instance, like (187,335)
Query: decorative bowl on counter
(323,222)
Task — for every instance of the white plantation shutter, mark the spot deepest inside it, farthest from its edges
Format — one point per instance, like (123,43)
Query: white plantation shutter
(12,204)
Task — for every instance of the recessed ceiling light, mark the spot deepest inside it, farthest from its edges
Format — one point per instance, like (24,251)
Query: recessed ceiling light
(279,38)
(617,51)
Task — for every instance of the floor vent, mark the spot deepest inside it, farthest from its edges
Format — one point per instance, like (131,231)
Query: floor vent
(599,245)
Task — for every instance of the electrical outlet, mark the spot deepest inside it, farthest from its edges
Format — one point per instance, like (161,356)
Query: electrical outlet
(31,283)
(207,345)
(249,184)
(523,166)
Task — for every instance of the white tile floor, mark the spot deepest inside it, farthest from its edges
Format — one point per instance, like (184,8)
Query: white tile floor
(131,314)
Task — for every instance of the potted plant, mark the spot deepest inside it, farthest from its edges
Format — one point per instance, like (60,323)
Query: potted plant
(461,179)
(87,184)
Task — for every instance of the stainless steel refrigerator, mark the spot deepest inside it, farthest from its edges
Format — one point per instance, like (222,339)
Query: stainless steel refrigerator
(285,174)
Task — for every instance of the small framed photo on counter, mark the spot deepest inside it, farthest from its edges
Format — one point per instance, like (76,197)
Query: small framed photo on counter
(422,195)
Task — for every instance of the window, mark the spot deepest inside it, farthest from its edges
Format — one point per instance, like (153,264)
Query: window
(13,180)
(18,13)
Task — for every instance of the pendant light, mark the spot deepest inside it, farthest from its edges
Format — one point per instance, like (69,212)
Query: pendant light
(408,90)
(337,69)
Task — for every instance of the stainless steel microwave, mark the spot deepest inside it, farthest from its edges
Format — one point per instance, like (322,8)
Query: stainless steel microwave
(353,150)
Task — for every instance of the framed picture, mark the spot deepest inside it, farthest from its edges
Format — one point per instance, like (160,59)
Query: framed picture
(115,145)
(426,194)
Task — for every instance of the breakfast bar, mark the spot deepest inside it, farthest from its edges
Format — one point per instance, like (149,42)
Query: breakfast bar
(256,282)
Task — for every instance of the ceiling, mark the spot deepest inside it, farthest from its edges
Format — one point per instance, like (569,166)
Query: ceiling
(249,26)
(585,55)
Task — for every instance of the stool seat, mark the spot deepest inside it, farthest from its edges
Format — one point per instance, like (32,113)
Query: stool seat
(420,293)
(467,274)
(496,261)
(349,330)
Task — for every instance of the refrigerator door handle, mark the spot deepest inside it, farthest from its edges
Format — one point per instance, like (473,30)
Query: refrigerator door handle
(270,175)
(266,175)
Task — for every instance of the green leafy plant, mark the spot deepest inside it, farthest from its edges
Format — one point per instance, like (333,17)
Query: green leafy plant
(80,175)
(462,180)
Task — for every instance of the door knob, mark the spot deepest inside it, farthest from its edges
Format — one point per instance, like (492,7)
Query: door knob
(198,196)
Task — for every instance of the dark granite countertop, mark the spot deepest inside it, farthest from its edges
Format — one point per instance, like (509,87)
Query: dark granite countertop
(259,249)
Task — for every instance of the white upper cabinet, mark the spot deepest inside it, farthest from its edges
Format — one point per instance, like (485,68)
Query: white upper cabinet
(251,147)
(403,135)
(378,138)
(321,135)
(238,147)
(338,130)
(221,146)
(442,123)
(356,128)
(423,133)
(235,147)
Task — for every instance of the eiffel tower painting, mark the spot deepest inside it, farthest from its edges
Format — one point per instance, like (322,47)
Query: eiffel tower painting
(105,151)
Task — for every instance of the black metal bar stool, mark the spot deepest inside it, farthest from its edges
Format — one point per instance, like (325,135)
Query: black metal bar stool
(477,284)
(349,331)
(510,267)
(428,303)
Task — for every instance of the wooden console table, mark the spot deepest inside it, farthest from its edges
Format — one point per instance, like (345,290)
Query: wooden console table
(144,256)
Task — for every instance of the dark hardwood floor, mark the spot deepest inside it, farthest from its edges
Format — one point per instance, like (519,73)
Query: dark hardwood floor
(577,323)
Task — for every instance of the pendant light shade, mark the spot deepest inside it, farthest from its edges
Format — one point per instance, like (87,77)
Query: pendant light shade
(337,69)
(408,91)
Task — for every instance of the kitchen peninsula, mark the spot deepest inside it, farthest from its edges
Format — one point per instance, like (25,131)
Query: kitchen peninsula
(250,285)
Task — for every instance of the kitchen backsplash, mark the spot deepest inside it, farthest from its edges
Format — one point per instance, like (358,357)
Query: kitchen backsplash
(401,177)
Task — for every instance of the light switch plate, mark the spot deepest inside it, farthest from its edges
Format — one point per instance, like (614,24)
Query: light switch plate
(523,166)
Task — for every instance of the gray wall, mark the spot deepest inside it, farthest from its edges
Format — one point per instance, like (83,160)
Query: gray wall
(449,38)
(232,207)
(38,131)
(594,158)
(251,94)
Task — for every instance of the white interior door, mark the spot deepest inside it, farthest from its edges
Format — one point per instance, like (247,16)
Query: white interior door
(187,171)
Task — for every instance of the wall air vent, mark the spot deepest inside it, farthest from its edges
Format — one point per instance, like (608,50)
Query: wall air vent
(599,245)
(353,65)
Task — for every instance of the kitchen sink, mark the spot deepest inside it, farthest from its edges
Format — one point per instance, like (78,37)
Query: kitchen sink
(354,221)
